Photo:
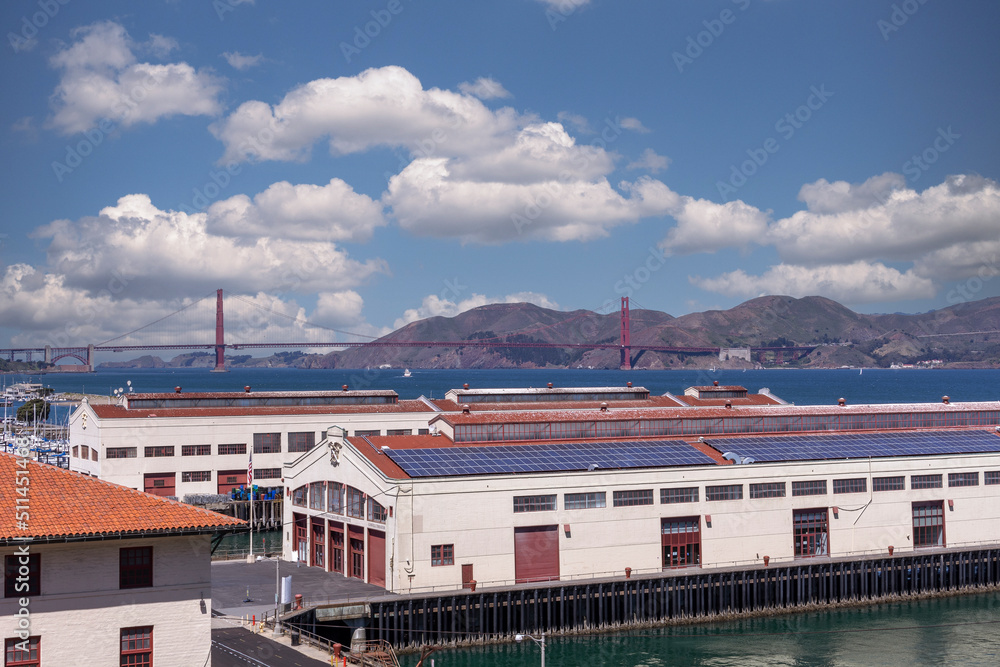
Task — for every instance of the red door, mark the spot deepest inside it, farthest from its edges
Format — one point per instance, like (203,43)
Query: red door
(301,537)
(356,565)
(160,483)
(336,547)
(317,543)
(467,575)
(376,557)
(536,553)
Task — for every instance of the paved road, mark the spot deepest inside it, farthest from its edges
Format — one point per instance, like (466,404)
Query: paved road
(238,647)
(233,580)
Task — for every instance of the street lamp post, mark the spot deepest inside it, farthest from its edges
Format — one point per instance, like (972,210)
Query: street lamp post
(540,642)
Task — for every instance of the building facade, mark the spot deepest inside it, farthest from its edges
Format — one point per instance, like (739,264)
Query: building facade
(97,573)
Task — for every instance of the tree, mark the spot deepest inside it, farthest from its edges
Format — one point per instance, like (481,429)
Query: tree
(34,410)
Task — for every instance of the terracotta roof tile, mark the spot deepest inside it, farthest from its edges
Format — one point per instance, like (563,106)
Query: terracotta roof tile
(119,412)
(64,504)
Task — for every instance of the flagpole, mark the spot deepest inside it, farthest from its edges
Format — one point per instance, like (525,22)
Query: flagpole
(250,489)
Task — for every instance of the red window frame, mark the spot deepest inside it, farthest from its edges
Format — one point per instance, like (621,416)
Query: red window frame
(928,524)
(301,441)
(137,646)
(356,502)
(686,494)
(442,554)
(135,567)
(15,657)
(811,532)
(196,450)
(681,541)
(267,443)
(158,450)
(232,448)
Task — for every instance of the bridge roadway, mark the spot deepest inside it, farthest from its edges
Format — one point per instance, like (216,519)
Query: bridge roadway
(55,353)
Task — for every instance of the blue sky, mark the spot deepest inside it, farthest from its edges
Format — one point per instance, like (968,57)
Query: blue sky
(360,165)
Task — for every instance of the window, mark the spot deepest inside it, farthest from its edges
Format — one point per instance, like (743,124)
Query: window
(135,568)
(725,492)
(266,443)
(300,496)
(368,432)
(137,647)
(632,498)
(928,524)
(240,448)
(335,497)
(317,496)
(120,453)
(813,487)
(687,494)
(854,485)
(355,503)
(963,479)
(681,541)
(159,451)
(767,490)
(580,501)
(267,473)
(301,442)
(197,476)
(76,452)
(15,654)
(443,554)
(22,575)
(534,503)
(196,450)
(991,477)
(889,483)
(423,431)
(93,454)
(399,431)
(811,532)
(925,481)
(376,512)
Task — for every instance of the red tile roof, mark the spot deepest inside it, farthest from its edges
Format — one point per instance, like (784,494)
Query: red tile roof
(62,504)
(651,402)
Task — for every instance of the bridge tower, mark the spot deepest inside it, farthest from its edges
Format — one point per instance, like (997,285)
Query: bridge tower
(626,338)
(220,336)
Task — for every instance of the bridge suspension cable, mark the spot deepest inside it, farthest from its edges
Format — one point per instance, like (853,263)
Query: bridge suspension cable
(146,326)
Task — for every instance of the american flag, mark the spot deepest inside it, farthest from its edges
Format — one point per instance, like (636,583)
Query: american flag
(250,470)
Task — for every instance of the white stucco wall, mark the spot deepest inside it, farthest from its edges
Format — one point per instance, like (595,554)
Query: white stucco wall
(81,611)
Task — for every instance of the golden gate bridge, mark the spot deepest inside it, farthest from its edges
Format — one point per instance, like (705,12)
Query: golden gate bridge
(85,354)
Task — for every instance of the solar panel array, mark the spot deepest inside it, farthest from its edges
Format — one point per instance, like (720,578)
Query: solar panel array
(506,459)
(858,445)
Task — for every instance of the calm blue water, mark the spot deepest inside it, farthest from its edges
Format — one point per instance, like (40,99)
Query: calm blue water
(803,387)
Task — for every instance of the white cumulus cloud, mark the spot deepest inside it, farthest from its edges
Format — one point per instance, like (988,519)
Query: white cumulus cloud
(485,88)
(650,161)
(100,79)
(242,61)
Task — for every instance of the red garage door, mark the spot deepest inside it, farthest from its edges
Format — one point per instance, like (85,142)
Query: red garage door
(231,479)
(376,557)
(160,483)
(536,553)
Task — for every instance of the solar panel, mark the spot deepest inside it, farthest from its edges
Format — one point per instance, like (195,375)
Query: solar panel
(558,457)
(858,445)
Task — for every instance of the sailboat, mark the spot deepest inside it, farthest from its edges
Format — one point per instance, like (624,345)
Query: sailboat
(407,373)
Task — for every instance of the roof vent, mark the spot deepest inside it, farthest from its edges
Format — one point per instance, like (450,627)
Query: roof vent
(246,389)
(385,448)
(734,457)
(604,407)
(177,390)
(946,400)
(465,386)
(729,405)
(550,385)
(628,384)
(343,387)
(841,402)
(465,408)
(592,467)
(715,383)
